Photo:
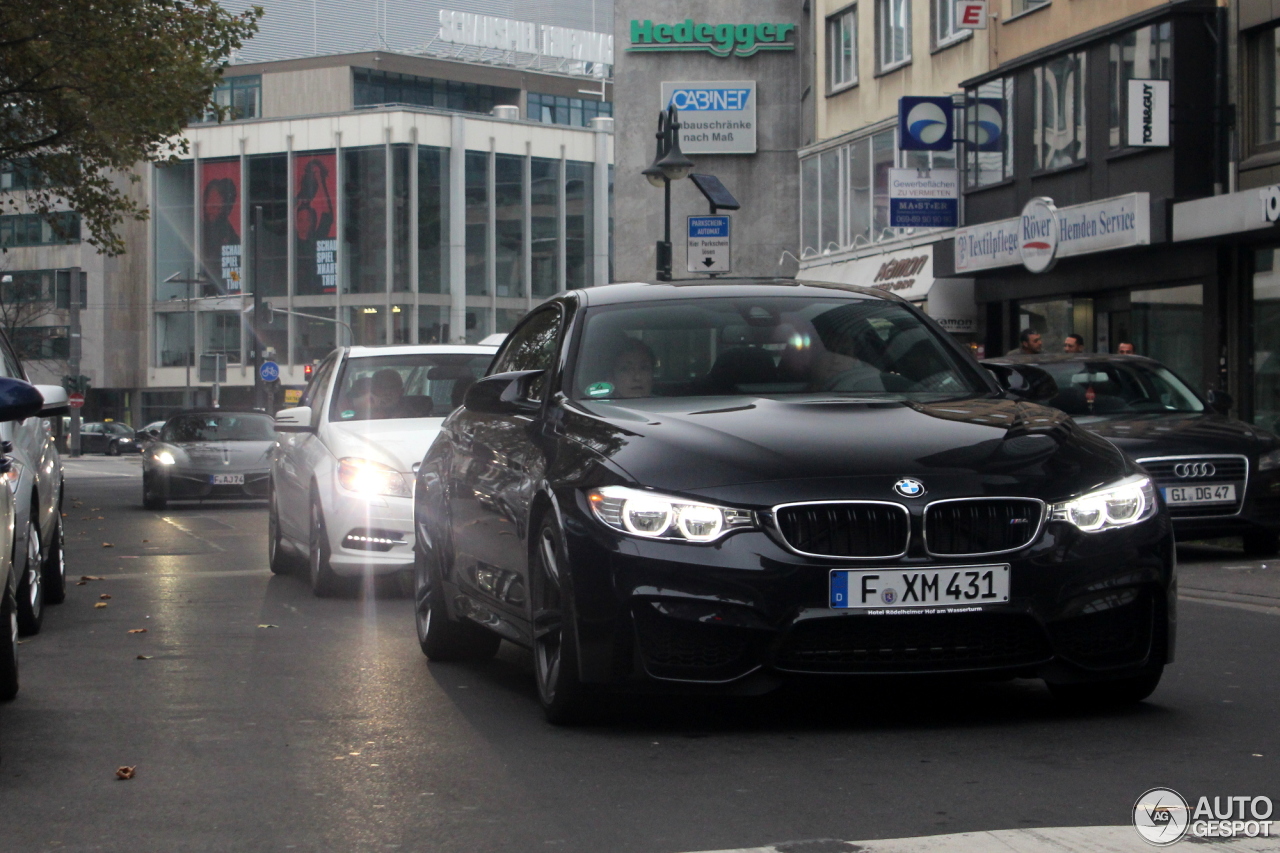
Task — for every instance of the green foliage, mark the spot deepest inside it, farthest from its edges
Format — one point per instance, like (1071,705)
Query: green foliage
(89,88)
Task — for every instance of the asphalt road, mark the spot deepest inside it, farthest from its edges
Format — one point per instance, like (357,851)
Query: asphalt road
(261,718)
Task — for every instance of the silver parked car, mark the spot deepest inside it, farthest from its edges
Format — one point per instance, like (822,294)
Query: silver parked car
(207,455)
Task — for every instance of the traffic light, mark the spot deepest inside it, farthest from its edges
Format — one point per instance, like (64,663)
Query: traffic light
(75,383)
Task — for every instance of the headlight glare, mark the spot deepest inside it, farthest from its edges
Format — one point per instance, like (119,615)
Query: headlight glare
(656,516)
(164,457)
(1127,502)
(1269,461)
(371,478)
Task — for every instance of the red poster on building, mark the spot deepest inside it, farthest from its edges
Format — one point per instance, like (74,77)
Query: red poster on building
(220,246)
(315,219)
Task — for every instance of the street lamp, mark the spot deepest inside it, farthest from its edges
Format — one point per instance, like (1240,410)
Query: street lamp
(191,353)
(669,164)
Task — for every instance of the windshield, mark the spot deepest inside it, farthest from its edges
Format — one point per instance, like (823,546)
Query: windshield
(769,345)
(237,427)
(415,385)
(1118,388)
(117,429)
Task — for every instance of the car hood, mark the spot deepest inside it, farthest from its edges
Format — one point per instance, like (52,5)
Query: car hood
(227,456)
(400,442)
(739,448)
(1180,434)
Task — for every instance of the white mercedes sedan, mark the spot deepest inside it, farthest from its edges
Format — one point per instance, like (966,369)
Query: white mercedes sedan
(341,487)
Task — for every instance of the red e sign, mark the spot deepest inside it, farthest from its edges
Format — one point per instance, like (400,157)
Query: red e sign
(971,14)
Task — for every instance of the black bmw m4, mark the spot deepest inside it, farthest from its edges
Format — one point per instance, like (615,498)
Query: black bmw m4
(726,485)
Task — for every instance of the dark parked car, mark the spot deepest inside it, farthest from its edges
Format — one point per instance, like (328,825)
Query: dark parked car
(725,485)
(111,438)
(1219,476)
(204,455)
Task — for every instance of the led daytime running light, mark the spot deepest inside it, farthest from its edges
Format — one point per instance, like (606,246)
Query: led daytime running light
(656,516)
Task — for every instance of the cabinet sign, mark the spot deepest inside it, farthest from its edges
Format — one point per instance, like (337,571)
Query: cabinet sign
(716,117)
(1149,113)
(716,39)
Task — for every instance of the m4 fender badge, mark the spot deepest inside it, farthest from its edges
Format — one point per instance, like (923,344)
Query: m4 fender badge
(909,487)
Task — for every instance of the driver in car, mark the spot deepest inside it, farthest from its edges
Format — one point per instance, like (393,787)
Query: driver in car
(632,373)
(387,391)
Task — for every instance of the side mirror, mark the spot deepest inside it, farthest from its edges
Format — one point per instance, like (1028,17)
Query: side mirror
(19,400)
(55,400)
(294,420)
(1024,380)
(503,394)
(1219,401)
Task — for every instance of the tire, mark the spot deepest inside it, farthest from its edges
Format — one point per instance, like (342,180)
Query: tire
(31,587)
(54,566)
(443,639)
(325,583)
(152,497)
(1261,543)
(8,645)
(281,563)
(1109,694)
(564,698)
(113,449)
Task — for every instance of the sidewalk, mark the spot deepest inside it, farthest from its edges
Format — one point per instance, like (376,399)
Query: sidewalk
(1223,575)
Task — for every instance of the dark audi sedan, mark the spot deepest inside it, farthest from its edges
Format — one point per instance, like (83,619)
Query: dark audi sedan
(1219,476)
(723,486)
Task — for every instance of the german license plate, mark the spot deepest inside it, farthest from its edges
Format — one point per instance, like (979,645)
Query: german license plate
(863,588)
(1218,493)
(227,479)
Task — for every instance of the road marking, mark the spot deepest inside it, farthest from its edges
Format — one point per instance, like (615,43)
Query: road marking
(228,573)
(195,536)
(1065,839)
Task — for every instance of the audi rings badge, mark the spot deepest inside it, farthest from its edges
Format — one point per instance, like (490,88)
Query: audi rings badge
(1189,470)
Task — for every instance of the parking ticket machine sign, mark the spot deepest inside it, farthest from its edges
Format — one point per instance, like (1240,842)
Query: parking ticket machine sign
(709,244)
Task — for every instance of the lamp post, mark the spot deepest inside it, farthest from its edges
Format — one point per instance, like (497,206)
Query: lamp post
(669,164)
(191,353)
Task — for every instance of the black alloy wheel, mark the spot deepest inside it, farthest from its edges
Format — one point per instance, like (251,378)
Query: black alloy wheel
(153,493)
(564,699)
(325,582)
(113,449)
(31,587)
(281,562)
(442,639)
(1109,694)
(8,644)
(54,566)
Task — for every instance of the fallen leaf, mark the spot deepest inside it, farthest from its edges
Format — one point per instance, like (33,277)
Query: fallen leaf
(64,515)
(107,545)
(268,626)
(100,604)
(104,597)
(102,518)
(146,540)
(81,583)
(90,578)
(125,772)
(144,657)
(135,630)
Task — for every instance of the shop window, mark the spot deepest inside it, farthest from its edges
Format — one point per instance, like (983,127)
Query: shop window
(1266,117)
(1266,341)
(401,324)
(1059,128)
(269,190)
(579,237)
(842,49)
(544,242)
(1168,325)
(173,217)
(433,219)
(220,334)
(364,220)
(989,133)
(433,324)
(368,325)
(174,339)
(477,178)
(893,33)
(509,219)
(945,29)
(1142,54)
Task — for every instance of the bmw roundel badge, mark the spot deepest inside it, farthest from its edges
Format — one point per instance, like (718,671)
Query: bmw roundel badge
(909,487)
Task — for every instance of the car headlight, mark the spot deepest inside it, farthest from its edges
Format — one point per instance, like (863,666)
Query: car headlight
(1269,461)
(371,478)
(656,516)
(164,457)
(1128,502)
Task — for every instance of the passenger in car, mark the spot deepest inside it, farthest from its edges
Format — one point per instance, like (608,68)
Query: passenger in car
(388,394)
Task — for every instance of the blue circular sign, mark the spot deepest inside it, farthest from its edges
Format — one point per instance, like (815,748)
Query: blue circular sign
(270,371)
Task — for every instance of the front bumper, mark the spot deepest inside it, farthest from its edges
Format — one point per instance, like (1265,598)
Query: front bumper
(182,484)
(1082,607)
(368,535)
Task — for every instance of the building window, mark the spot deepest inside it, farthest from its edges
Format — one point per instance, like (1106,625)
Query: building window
(477,240)
(945,31)
(30,229)
(544,243)
(364,220)
(579,231)
(378,88)
(20,174)
(989,132)
(842,50)
(1267,118)
(174,339)
(242,96)
(34,286)
(893,33)
(1020,6)
(1143,54)
(1059,131)
(220,334)
(35,343)
(508,197)
(558,109)
(845,195)
(433,220)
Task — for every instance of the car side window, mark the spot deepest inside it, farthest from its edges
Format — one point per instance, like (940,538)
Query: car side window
(315,388)
(532,346)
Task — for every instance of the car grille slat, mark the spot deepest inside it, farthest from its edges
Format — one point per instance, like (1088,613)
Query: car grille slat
(845,529)
(981,525)
(1227,469)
